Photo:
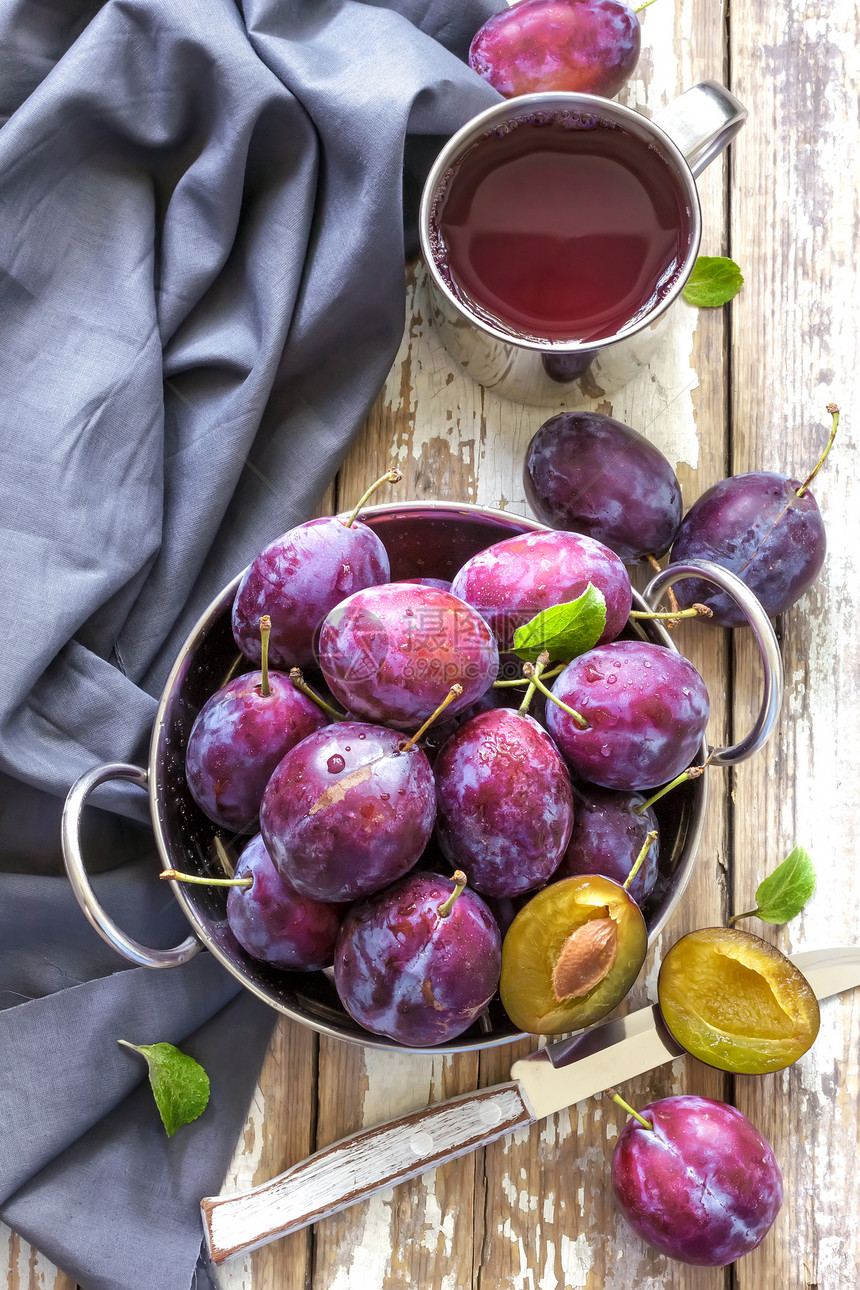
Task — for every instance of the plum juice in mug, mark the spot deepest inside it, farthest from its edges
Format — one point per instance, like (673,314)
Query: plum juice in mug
(559,226)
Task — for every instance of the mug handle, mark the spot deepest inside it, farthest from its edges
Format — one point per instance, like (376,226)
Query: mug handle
(762,629)
(701,122)
(96,914)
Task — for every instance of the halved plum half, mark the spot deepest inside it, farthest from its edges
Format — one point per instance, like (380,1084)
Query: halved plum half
(735,1002)
(571,954)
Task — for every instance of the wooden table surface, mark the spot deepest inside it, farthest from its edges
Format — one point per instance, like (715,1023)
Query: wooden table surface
(735,389)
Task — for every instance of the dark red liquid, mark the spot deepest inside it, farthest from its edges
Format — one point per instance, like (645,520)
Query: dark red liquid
(561,231)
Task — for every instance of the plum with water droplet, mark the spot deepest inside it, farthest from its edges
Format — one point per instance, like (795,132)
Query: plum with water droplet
(588,46)
(607,836)
(505,804)
(237,740)
(274,922)
(512,581)
(348,810)
(413,964)
(645,709)
(392,653)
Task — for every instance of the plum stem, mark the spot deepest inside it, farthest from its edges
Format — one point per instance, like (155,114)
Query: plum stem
(643,6)
(460,881)
(302,686)
(265,630)
(392,476)
(534,675)
(735,918)
(670,593)
(531,676)
(640,859)
(695,611)
(834,412)
(173,875)
(616,1097)
(453,693)
(522,680)
(692,772)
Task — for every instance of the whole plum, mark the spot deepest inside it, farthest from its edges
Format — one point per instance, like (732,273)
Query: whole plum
(512,581)
(392,653)
(348,810)
(405,968)
(277,924)
(505,805)
(237,740)
(588,473)
(756,526)
(702,1185)
(591,46)
(646,707)
(298,579)
(607,838)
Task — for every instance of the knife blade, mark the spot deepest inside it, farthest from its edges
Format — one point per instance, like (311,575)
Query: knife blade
(547,1080)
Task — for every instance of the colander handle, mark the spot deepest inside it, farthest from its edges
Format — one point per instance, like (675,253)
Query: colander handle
(84,894)
(762,629)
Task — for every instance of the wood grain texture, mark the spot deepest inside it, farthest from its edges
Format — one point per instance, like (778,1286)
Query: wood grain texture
(795,219)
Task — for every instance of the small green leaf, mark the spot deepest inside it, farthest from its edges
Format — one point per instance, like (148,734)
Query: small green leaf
(783,893)
(714,280)
(180,1085)
(566,631)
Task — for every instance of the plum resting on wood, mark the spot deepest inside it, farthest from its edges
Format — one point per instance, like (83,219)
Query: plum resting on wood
(756,526)
(591,474)
(701,1185)
(590,46)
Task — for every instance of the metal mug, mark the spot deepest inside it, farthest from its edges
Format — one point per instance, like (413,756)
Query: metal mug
(423,539)
(689,134)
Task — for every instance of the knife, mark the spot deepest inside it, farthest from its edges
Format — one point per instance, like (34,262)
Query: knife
(546,1081)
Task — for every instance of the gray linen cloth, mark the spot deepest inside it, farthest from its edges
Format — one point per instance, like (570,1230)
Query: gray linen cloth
(201,290)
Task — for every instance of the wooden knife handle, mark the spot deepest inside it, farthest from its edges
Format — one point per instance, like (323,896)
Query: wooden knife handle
(357,1166)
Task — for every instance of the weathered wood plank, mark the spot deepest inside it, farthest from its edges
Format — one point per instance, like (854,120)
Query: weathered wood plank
(24,1268)
(795,224)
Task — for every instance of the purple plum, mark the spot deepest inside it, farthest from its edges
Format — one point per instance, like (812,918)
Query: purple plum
(511,582)
(237,740)
(505,805)
(607,838)
(298,579)
(406,969)
(590,474)
(646,708)
(277,924)
(702,1185)
(588,46)
(441,584)
(348,810)
(756,526)
(392,653)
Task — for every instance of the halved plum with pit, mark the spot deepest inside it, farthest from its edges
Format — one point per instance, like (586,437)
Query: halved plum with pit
(736,1002)
(571,954)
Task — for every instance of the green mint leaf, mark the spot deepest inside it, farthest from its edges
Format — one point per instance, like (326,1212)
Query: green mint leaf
(783,893)
(566,631)
(180,1085)
(714,281)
